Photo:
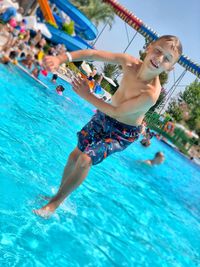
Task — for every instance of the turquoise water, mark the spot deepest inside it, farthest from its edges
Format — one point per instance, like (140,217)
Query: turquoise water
(124,214)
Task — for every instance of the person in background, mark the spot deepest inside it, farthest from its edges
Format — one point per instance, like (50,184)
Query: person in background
(92,74)
(147,136)
(36,39)
(60,89)
(157,160)
(97,87)
(28,61)
(169,127)
(35,72)
(8,13)
(54,78)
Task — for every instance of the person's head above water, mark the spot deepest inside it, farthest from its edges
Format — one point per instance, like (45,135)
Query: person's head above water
(60,89)
(159,158)
(163,53)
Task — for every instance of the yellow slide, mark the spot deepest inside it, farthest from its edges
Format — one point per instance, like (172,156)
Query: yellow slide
(46,11)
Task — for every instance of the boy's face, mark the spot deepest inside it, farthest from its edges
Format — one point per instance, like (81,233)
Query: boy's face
(159,159)
(161,56)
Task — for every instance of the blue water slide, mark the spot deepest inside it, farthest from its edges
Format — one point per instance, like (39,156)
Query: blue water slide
(59,22)
(84,26)
(72,43)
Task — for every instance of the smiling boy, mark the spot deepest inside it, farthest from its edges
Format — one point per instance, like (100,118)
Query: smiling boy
(117,124)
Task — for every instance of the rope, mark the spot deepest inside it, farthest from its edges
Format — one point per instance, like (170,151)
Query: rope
(171,91)
(126,32)
(130,42)
(100,33)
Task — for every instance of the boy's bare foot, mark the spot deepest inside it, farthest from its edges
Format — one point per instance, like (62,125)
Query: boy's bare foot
(46,211)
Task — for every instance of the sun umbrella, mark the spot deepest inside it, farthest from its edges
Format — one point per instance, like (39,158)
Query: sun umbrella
(188,132)
(109,80)
(177,125)
(193,134)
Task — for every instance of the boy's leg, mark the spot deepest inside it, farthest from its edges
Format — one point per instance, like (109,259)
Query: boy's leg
(69,167)
(71,162)
(76,177)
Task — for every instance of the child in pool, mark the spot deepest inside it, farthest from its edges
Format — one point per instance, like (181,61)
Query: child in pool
(60,89)
(117,124)
(54,78)
(35,72)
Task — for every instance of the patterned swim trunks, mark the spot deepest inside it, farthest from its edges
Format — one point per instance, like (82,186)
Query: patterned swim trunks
(103,136)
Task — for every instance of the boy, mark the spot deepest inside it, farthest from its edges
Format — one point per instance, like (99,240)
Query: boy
(115,125)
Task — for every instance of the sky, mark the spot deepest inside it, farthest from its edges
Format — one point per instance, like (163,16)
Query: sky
(176,17)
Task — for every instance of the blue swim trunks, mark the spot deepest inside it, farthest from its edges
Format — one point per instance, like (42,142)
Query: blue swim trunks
(103,136)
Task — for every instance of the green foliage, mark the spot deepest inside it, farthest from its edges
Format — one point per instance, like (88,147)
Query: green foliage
(191,98)
(175,111)
(179,138)
(72,67)
(46,48)
(95,10)
(68,27)
(112,71)
(109,87)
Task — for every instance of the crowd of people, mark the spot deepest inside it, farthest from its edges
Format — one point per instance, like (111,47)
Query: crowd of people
(29,47)
(21,45)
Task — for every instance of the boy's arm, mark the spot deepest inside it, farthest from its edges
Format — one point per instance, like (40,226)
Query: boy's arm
(140,103)
(147,162)
(53,62)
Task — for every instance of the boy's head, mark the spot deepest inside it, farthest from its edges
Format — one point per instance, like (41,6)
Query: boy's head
(163,53)
(159,157)
(175,43)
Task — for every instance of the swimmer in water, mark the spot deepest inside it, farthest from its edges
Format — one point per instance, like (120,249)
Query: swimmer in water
(60,89)
(157,160)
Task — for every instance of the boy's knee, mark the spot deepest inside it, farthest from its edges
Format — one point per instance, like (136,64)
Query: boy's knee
(84,160)
(73,156)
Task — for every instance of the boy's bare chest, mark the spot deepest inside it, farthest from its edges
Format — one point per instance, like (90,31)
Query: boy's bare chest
(130,87)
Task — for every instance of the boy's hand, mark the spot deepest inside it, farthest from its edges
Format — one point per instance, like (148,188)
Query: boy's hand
(52,63)
(81,87)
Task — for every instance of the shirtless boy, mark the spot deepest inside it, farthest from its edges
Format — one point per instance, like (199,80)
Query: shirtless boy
(118,124)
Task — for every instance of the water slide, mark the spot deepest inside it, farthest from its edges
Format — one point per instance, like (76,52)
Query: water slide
(72,43)
(83,25)
(148,33)
(46,11)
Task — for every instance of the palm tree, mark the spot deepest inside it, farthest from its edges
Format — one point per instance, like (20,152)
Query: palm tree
(95,10)
(112,71)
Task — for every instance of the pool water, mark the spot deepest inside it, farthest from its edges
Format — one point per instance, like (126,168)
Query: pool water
(124,214)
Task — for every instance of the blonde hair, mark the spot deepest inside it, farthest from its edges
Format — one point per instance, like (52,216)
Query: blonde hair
(176,42)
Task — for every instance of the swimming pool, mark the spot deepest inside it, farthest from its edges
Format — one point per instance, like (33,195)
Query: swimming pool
(124,214)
